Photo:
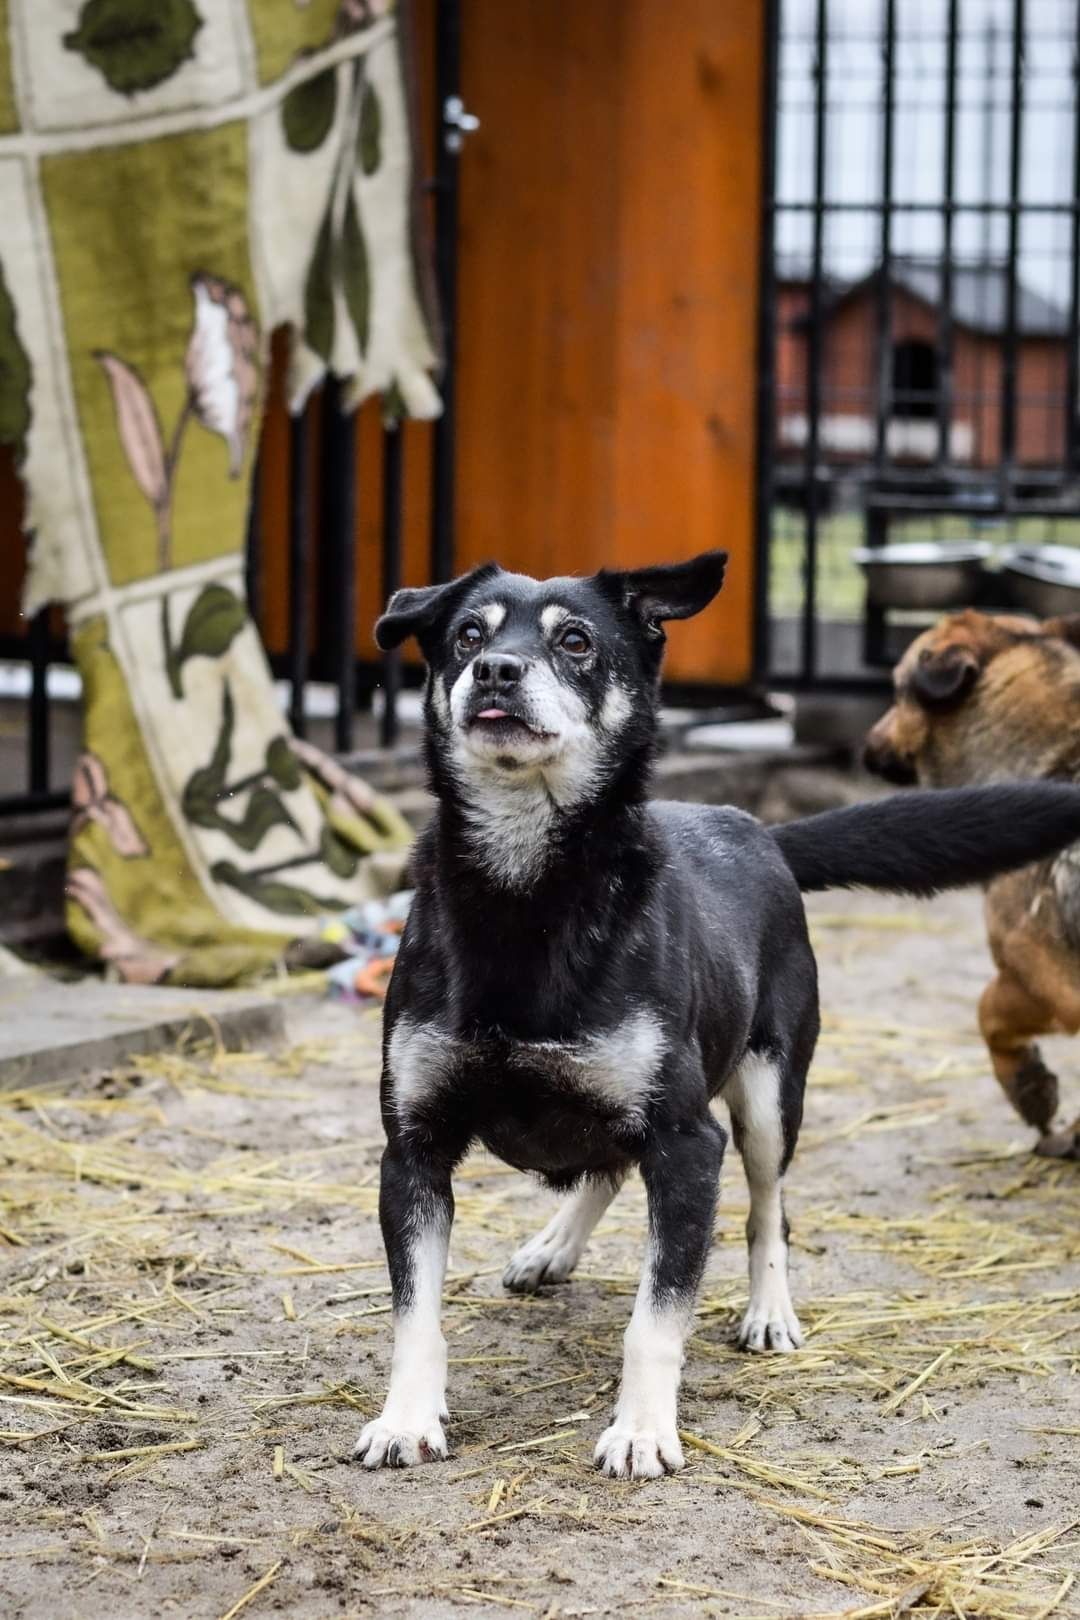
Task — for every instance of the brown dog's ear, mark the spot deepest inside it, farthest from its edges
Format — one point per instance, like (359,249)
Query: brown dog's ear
(1066,628)
(942,679)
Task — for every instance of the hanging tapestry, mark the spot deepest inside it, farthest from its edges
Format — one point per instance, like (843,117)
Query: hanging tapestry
(177,178)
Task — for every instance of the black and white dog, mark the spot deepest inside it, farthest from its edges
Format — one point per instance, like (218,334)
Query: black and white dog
(583,971)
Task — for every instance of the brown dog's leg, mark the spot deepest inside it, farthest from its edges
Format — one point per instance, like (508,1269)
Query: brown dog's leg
(1009,1016)
(1063,1144)
(1037,992)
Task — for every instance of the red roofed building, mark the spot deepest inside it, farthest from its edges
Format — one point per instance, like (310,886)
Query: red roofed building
(848,425)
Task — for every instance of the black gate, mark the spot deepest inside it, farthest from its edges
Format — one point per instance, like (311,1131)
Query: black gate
(919,336)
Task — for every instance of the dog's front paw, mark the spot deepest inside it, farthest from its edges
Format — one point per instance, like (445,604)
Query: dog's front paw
(770,1324)
(627,1451)
(389,1443)
(546,1258)
(1062,1144)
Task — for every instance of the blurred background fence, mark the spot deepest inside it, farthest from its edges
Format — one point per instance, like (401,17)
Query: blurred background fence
(798,277)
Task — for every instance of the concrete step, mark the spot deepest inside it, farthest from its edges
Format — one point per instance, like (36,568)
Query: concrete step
(52,1031)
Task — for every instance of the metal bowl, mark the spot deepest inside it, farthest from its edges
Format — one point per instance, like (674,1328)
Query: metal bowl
(923,574)
(1044,580)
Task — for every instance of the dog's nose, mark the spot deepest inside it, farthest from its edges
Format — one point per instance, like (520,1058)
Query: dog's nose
(885,762)
(498,672)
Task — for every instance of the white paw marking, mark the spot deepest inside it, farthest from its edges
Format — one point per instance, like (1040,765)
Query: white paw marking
(548,1257)
(627,1450)
(409,1429)
(551,1255)
(401,1441)
(770,1322)
(753,1095)
(643,1439)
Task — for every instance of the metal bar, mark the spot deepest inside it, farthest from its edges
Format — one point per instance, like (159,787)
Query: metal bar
(884,286)
(447,85)
(853,685)
(1072,393)
(299,552)
(901,207)
(977,498)
(813,354)
(960,482)
(875,619)
(1009,346)
(253,546)
(944,377)
(766,342)
(23,804)
(339,577)
(982,400)
(14,647)
(37,761)
(393,484)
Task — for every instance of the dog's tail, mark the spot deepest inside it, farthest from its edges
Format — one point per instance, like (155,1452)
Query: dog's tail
(918,843)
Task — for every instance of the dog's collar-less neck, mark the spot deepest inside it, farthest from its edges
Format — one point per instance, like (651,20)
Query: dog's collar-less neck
(514,838)
(510,830)
(535,945)
(519,837)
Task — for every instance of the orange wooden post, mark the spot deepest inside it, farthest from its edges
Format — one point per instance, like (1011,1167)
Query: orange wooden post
(608,282)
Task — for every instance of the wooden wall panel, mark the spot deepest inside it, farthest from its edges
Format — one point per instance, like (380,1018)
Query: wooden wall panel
(540,285)
(607,326)
(690,132)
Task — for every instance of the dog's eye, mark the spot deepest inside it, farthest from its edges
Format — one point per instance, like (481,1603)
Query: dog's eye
(470,636)
(574,641)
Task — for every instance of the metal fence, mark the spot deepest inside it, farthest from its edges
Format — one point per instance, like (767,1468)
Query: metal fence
(330,460)
(326,464)
(921,279)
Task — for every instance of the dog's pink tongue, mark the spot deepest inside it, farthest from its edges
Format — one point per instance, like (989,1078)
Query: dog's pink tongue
(492,714)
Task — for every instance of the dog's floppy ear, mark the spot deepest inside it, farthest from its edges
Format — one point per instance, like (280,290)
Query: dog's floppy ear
(942,679)
(418,610)
(671,590)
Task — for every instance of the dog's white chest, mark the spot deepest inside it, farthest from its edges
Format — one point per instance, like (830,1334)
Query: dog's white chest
(618,1068)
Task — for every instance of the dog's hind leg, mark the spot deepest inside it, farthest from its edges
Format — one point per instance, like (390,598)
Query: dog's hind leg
(551,1255)
(766,1107)
(1035,993)
(1009,1016)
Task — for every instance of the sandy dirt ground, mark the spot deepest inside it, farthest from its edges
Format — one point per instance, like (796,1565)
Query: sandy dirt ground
(195,1323)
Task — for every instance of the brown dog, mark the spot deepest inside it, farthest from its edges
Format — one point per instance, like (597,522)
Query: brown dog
(993,699)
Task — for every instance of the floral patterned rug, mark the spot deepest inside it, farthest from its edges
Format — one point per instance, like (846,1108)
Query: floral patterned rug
(177,178)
